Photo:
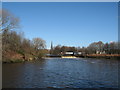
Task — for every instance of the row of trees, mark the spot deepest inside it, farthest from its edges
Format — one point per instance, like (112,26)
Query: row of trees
(93,48)
(14,44)
(107,48)
(58,50)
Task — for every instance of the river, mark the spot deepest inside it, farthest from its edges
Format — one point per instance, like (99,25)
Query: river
(62,73)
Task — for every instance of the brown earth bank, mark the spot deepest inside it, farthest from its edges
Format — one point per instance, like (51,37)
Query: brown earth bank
(14,57)
(103,54)
(106,56)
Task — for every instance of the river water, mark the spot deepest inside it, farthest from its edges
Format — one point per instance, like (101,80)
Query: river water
(62,73)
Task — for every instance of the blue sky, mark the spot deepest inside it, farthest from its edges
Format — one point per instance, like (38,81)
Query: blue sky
(70,23)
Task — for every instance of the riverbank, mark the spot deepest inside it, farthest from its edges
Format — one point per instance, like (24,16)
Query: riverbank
(100,56)
(105,56)
(15,59)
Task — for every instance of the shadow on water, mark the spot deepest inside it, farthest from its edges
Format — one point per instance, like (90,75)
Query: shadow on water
(62,73)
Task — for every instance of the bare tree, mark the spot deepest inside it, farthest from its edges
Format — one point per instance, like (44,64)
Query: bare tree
(8,21)
(39,43)
(95,46)
(57,50)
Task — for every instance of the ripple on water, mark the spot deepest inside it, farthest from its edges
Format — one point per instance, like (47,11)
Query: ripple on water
(62,73)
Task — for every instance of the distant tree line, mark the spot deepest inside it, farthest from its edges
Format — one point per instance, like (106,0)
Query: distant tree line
(15,47)
(100,47)
(93,48)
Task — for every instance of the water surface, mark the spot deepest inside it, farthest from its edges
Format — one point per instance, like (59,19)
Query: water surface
(62,73)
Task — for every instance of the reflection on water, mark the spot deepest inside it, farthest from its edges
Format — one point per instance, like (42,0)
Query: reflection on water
(62,73)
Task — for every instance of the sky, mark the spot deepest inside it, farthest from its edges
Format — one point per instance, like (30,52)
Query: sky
(67,23)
